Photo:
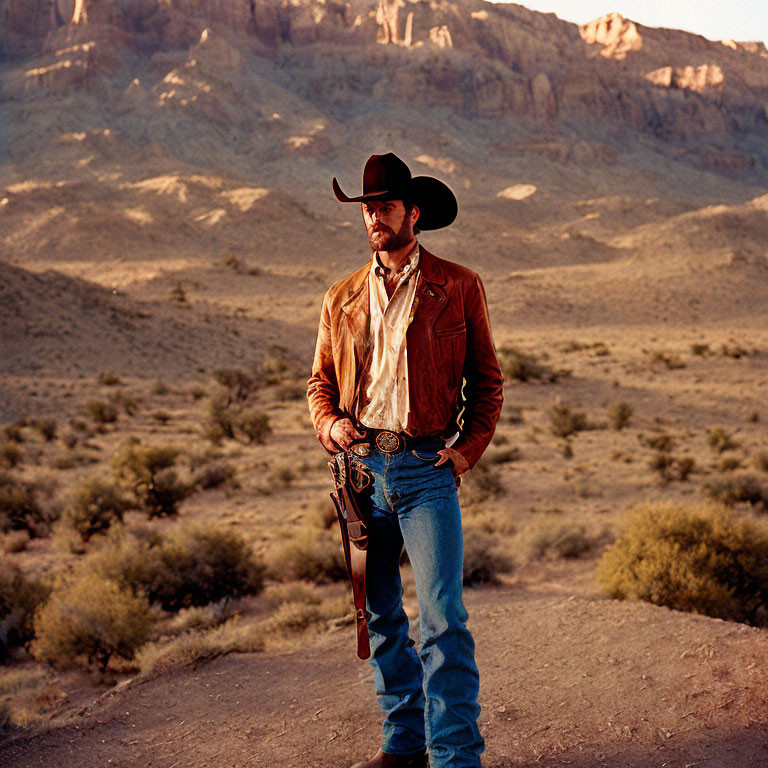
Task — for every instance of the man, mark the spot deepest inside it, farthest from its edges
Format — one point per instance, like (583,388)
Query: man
(405,377)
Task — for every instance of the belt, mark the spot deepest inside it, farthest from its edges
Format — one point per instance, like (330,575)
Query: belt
(389,442)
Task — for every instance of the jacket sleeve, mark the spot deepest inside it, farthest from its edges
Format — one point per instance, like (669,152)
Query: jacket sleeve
(322,387)
(483,391)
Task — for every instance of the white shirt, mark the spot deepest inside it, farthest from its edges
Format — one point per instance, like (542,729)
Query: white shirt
(386,383)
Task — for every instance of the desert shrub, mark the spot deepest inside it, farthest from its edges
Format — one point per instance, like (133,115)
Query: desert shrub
(94,507)
(700,349)
(10,455)
(620,415)
(761,461)
(238,384)
(663,443)
(15,541)
(504,456)
(151,475)
(702,558)
(290,392)
(672,467)
(19,507)
(161,417)
(513,414)
(554,539)
(563,421)
(214,475)
(20,597)
(101,411)
(671,360)
(13,432)
(323,513)
(732,490)
(197,393)
(729,463)
(47,428)
(178,294)
(160,388)
(754,417)
(521,366)
(483,560)
(719,440)
(88,620)
(307,555)
(733,350)
(109,379)
(219,423)
(192,566)
(482,483)
(254,425)
(200,565)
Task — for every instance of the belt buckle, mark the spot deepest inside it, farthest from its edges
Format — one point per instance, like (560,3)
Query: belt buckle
(388,442)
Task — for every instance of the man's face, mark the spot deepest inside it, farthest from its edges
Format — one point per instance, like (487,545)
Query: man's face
(388,224)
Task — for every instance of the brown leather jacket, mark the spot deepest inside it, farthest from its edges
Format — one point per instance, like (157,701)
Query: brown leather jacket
(448,340)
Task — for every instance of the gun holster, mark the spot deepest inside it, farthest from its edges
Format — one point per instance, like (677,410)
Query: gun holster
(351,481)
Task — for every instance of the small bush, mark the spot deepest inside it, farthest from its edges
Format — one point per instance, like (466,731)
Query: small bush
(671,360)
(19,508)
(239,384)
(214,475)
(100,411)
(94,507)
(741,488)
(307,555)
(47,428)
(559,539)
(89,620)
(719,440)
(109,380)
(254,425)
(219,423)
(701,350)
(504,456)
(149,472)
(178,295)
(662,443)
(482,483)
(521,366)
(200,565)
(620,415)
(671,467)
(701,559)
(192,566)
(160,388)
(10,455)
(729,463)
(14,433)
(483,560)
(563,421)
(761,461)
(19,599)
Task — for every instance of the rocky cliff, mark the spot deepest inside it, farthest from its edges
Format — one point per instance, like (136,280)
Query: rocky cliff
(609,79)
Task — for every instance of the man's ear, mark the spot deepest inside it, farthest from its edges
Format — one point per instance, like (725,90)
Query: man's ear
(415,209)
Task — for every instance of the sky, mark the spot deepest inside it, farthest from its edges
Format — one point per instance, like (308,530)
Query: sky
(717,20)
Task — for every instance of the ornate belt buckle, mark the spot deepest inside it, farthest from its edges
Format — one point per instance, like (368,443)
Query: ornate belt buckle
(388,442)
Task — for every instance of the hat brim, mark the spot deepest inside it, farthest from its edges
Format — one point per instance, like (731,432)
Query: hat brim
(436,202)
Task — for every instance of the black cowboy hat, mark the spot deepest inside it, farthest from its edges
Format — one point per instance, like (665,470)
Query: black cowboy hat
(387,177)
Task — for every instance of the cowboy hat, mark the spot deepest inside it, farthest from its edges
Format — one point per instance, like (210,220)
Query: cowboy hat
(387,177)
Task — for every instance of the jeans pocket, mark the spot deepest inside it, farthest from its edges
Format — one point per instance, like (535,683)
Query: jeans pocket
(428,457)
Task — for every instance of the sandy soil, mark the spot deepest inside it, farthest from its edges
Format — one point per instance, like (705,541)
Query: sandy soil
(567,679)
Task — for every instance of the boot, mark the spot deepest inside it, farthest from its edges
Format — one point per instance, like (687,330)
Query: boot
(384,760)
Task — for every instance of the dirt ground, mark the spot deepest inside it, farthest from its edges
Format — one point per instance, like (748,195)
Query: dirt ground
(568,678)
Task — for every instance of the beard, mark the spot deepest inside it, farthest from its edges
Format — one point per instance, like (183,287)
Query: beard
(382,238)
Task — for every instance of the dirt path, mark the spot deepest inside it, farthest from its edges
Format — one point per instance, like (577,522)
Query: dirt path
(566,681)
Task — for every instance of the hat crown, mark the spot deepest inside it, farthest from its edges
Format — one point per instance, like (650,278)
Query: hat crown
(385,173)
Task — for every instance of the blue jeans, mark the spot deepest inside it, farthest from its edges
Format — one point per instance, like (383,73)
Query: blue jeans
(430,698)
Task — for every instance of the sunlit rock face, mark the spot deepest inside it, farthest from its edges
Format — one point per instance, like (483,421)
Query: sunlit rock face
(475,58)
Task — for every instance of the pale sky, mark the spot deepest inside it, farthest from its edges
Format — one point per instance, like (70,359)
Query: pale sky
(715,19)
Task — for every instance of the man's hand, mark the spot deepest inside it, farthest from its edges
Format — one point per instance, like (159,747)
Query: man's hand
(460,465)
(343,432)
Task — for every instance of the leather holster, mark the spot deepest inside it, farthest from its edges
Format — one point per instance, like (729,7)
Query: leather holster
(350,496)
